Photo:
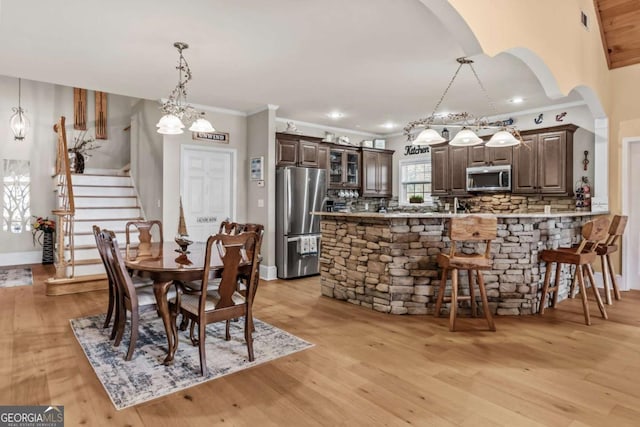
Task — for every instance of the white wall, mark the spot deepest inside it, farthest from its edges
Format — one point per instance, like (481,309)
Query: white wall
(44,104)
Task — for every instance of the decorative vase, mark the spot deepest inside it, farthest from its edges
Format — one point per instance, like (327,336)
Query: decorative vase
(47,247)
(78,163)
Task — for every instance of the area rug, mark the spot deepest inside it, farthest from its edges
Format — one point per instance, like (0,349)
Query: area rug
(145,377)
(11,277)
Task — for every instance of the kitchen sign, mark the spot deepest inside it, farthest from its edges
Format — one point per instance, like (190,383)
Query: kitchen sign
(410,150)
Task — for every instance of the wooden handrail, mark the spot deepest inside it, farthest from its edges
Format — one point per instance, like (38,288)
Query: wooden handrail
(66,210)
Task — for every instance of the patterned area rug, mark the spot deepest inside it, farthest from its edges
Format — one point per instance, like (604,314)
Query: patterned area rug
(11,277)
(145,377)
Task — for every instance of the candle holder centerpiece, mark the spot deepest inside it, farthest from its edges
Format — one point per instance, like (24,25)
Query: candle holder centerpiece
(182,238)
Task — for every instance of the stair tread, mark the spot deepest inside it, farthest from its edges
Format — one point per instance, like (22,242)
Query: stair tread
(102,197)
(89,233)
(107,207)
(88,261)
(109,219)
(100,174)
(103,186)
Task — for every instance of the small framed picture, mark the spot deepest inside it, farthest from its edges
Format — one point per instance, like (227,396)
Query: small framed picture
(256,168)
(219,137)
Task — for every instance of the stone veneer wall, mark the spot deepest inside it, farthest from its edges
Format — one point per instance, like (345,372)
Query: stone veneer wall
(389,265)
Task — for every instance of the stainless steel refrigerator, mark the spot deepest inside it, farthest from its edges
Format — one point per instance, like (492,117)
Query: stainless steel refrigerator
(298,192)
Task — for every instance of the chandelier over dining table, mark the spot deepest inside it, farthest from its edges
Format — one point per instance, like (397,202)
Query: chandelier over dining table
(506,135)
(176,109)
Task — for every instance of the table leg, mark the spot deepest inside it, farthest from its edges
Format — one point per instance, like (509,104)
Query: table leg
(160,290)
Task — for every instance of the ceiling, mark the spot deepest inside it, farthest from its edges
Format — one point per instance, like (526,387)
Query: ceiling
(376,61)
(620,31)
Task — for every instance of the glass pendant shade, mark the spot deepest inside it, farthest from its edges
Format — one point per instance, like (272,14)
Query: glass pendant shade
(19,124)
(170,125)
(502,138)
(202,125)
(465,138)
(428,137)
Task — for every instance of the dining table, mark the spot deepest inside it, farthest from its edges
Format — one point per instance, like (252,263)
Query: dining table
(163,263)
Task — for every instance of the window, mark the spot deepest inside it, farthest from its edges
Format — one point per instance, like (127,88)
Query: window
(415,180)
(16,200)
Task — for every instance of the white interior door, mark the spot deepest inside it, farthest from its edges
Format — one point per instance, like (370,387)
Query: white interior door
(207,185)
(632,241)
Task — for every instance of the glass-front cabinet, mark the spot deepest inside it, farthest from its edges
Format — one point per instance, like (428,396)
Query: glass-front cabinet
(344,168)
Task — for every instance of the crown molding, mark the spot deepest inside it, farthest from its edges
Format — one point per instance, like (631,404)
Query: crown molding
(331,128)
(270,107)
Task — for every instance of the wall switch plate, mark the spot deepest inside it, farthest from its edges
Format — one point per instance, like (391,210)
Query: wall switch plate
(261,203)
(260,183)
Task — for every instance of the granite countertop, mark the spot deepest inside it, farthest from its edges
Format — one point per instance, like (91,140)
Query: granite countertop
(391,215)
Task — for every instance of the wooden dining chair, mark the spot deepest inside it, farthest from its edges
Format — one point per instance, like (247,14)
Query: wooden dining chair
(243,277)
(203,306)
(131,298)
(114,297)
(228,227)
(467,229)
(145,231)
(604,251)
(581,257)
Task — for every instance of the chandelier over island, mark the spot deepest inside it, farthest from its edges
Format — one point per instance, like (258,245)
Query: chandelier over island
(506,135)
(176,109)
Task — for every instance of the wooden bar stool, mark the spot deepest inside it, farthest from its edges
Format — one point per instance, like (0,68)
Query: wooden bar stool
(581,256)
(604,250)
(467,229)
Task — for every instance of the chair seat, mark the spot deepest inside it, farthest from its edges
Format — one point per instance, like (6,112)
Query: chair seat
(464,261)
(139,282)
(603,249)
(147,297)
(567,256)
(191,302)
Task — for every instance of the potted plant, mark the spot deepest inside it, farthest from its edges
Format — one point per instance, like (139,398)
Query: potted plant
(416,198)
(82,144)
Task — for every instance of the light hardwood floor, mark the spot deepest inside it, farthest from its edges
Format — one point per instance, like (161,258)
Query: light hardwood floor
(366,368)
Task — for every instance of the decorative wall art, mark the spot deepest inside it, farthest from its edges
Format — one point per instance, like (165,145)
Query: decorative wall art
(16,196)
(101,115)
(560,117)
(539,119)
(79,108)
(219,137)
(256,168)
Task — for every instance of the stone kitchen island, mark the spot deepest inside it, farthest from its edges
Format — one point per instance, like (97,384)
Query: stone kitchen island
(387,261)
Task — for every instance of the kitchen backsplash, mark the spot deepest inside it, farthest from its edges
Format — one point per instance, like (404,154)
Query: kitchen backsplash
(494,203)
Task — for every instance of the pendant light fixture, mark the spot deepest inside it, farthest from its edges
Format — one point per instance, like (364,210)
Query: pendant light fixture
(18,121)
(506,136)
(176,109)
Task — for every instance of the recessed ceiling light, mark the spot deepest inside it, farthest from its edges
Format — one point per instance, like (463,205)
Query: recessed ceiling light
(335,115)
(516,100)
(389,125)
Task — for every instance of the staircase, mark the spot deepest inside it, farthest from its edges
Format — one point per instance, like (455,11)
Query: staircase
(107,200)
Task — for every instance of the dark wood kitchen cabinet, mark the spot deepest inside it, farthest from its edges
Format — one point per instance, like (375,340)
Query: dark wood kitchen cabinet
(376,172)
(479,155)
(458,160)
(297,150)
(544,163)
(344,168)
(440,170)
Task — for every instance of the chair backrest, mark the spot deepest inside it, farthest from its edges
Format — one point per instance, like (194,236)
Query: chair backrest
(230,249)
(119,270)
(256,228)
(616,229)
(144,230)
(593,232)
(228,227)
(103,248)
(473,229)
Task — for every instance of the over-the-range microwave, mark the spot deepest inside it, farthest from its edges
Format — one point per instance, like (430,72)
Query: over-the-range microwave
(489,178)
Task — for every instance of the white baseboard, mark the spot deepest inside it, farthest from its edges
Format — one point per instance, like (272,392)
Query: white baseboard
(268,272)
(21,258)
